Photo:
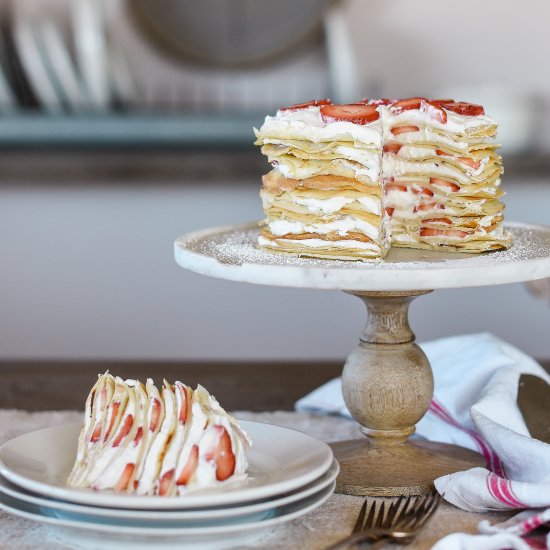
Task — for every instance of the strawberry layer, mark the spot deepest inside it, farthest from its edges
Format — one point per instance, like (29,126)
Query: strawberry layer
(307,124)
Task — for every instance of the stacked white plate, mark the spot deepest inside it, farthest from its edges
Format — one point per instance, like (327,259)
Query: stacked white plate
(290,472)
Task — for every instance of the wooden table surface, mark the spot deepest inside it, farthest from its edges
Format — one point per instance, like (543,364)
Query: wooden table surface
(252,386)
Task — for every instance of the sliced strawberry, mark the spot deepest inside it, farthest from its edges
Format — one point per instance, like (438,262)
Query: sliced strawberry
(190,467)
(389,211)
(395,187)
(452,187)
(402,105)
(113,411)
(469,162)
(312,103)
(454,233)
(155,415)
(183,410)
(428,206)
(225,458)
(392,148)
(463,160)
(166,482)
(419,190)
(96,434)
(435,111)
(356,113)
(461,107)
(421,103)
(124,430)
(122,483)
(404,129)
(139,435)
(446,221)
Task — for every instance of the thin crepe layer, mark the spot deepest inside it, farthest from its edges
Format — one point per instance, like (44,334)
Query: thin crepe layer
(473,245)
(304,249)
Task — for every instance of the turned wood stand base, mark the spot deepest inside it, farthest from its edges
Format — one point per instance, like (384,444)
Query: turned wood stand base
(388,386)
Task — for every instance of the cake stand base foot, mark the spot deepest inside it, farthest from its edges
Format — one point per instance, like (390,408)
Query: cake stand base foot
(395,470)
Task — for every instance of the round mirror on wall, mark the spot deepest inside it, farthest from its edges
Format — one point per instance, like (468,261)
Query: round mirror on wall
(232,33)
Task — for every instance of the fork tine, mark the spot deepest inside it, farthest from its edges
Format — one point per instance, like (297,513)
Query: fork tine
(405,510)
(432,507)
(420,513)
(360,518)
(410,511)
(411,517)
(392,512)
(369,522)
(380,518)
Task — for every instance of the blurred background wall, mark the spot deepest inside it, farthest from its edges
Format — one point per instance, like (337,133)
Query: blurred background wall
(93,194)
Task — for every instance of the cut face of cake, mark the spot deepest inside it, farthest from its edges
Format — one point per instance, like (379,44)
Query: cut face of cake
(324,196)
(442,176)
(346,177)
(137,439)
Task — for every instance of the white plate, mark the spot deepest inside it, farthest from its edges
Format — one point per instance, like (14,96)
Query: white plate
(35,70)
(260,509)
(99,535)
(281,460)
(58,61)
(91,50)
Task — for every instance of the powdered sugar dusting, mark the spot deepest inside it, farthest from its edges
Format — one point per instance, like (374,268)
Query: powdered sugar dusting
(239,246)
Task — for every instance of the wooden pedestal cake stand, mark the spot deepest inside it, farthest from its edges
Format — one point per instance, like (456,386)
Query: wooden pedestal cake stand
(387,380)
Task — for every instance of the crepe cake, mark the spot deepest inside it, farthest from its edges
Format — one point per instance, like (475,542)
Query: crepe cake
(442,175)
(323,197)
(141,440)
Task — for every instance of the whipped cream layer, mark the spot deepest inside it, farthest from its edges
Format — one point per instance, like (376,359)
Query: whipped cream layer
(326,206)
(307,124)
(463,125)
(136,439)
(369,167)
(342,227)
(393,166)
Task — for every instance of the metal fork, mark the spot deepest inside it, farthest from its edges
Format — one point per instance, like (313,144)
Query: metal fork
(404,519)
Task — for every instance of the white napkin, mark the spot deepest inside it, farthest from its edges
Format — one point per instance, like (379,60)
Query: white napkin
(513,534)
(476,383)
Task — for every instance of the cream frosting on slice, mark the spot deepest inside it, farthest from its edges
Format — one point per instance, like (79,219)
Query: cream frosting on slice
(166,482)
(126,447)
(91,413)
(204,460)
(153,461)
(101,410)
(136,439)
